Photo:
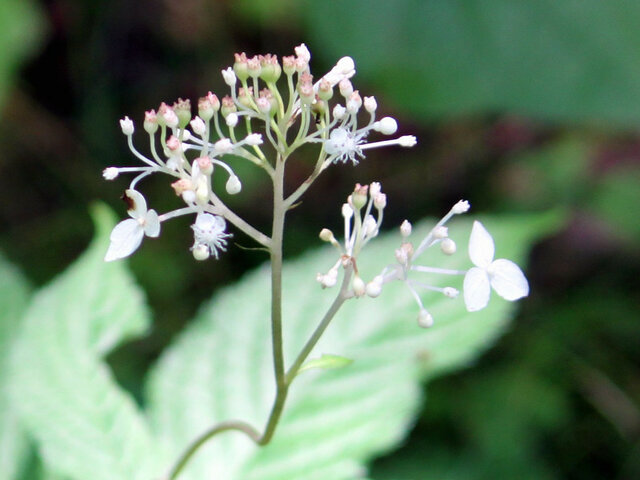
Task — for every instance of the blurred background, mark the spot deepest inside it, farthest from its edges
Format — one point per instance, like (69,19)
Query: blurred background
(518,106)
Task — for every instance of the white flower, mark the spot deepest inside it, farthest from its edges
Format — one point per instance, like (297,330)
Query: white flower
(344,145)
(127,235)
(126,124)
(209,230)
(503,275)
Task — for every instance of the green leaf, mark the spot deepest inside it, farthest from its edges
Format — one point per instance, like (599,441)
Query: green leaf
(21,30)
(85,425)
(14,291)
(334,421)
(326,362)
(564,61)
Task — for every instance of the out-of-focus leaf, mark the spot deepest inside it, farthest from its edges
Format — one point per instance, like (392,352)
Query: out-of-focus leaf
(335,420)
(573,60)
(21,30)
(85,426)
(326,362)
(616,199)
(14,291)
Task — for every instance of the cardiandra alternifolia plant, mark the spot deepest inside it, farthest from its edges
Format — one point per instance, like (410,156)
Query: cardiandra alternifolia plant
(273,108)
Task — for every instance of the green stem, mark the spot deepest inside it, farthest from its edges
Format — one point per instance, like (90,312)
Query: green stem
(202,439)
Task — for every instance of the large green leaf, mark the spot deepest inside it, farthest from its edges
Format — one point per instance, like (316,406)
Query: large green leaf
(85,425)
(572,60)
(220,368)
(14,291)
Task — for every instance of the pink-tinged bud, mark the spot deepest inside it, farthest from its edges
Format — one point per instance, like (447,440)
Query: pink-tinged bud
(264,105)
(254,139)
(182,109)
(307,95)
(245,96)
(205,165)
(339,112)
(271,69)
(319,107)
(346,88)
(240,66)
(166,116)
(127,126)
(289,64)
(207,106)
(173,144)
(181,186)
(325,90)
(302,66)
(359,196)
(354,103)
(150,122)
(228,106)
(253,66)
(448,246)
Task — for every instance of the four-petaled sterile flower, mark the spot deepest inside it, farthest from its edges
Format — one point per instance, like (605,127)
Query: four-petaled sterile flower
(209,236)
(127,235)
(503,275)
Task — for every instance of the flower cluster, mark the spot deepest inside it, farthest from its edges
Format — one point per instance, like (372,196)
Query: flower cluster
(504,276)
(193,148)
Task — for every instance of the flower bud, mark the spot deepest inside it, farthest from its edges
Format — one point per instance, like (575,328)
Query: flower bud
(326,235)
(207,106)
(289,64)
(374,287)
(325,90)
(150,122)
(166,116)
(205,165)
(359,196)
(345,87)
(254,139)
(198,126)
(370,104)
(407,141)
(127,126)
(200,252)
(450,292)
(228,106)
(441,232)
(405,229)
(347,211)
(233,185)
(254,67)
(380,201)
(303,52)
(461,207)
(374,189)
(240,66)
(425,320)
(354,103)
(448,246)
(271,69)
(182,109)
(229,76)
(358,285)
(223,146)
(232,120)
(339,112)
(386,126)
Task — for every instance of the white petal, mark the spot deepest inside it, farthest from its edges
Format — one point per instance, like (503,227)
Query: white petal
(137,205)
(125,239)
(476,289)
(152,224)
(508,280)
(481,246)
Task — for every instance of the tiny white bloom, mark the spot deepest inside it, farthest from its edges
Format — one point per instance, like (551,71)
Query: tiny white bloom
(303,52)
(344,145)
(254,139)
(229,76)
(110,173)
(127,235)
(209,230)
(503,275)
(126,124)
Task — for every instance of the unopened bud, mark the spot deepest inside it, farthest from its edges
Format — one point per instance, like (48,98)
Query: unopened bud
(407,141)
(405,229)
(229,76)
(339,112)
(254,139)
(461,207)
(326,235)
(223,146)
(425,320)
(233,185)
(370,104)
(386,126)
(232,120)
(374,287)
(346,88)
(359,196)
(448,246)
(380,201)
(205,165)
(198,126)
(150,121)
(358,285)
(200,252)
(441,232)
(127,126)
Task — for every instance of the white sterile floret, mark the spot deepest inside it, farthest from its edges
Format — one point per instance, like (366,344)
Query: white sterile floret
(127,235)
(504,276)
(126,124)
(229,76)
(110,173)
(233,185)
(209,230)
(254,139)
(386,126)
(343,145)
